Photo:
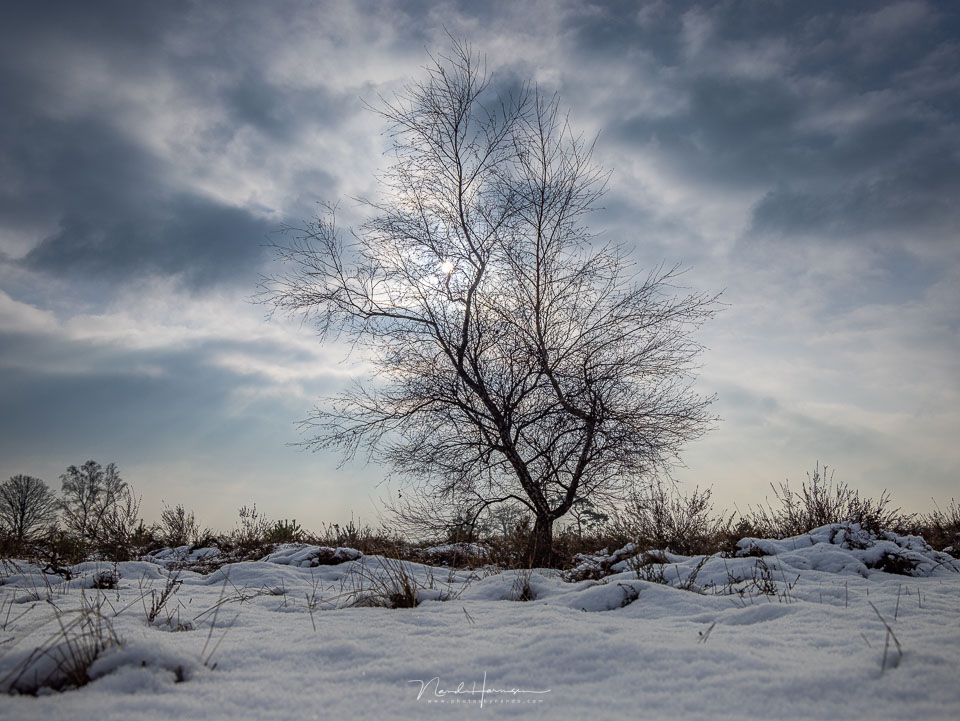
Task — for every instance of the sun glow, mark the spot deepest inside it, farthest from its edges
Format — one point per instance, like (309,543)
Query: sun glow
(446,267)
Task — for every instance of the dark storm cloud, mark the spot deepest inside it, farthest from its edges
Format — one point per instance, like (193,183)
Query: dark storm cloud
(105,410)
(116,217)
(904,201)
(93,200)
(846,114)
(755,87)
(733,131)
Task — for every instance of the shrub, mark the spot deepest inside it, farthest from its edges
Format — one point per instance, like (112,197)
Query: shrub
(460,530)
(941,528)
(821,502)
(59,550)
(251,531)
(660,517)
(146,538)
(509,549)
(113,535)
(285,532)
(178,527)
(10,546)
(380,541)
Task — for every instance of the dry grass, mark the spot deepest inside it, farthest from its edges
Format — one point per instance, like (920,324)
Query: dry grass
(159,599)
(63,660)
(391,585)
(521,589)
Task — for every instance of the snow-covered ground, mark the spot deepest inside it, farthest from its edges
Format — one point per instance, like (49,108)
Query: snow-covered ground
(798,633)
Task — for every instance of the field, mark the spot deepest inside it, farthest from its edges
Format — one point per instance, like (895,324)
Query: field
(816,626)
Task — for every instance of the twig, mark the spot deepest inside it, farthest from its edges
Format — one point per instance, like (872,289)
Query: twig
(704,635)
(886,643)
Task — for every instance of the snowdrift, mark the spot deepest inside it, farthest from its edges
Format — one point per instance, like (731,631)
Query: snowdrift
(837,623)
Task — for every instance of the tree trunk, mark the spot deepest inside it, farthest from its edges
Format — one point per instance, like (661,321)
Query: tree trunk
(540,549)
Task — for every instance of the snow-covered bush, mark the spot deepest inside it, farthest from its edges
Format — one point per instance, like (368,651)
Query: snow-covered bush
(306,556)
(864,548)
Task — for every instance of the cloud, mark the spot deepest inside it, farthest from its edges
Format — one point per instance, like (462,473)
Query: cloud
(206,387)
(800,155)
(120,163)
(788,112)
(200,242)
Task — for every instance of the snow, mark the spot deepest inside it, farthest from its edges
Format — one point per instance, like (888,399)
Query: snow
(468,551)
(306,556)
(792,628)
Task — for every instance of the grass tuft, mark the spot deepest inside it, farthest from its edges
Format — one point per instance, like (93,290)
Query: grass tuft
(63,661)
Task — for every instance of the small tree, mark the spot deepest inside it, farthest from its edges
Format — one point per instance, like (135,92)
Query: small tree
(91,494)
(516,362)
(26,503)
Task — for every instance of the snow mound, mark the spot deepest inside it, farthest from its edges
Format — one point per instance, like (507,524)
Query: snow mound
(837,548)
(132,667)
(183,556)
(848,547)
(745,637)
(82,656)
(454,554)
(303,555)
(598,565)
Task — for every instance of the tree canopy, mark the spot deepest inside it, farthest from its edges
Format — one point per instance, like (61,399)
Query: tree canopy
(517,360)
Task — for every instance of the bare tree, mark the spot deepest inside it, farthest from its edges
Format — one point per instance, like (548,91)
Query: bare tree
(91,496)
(516,360)
(26,503)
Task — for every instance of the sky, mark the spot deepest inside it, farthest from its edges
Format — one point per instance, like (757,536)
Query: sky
(802,158)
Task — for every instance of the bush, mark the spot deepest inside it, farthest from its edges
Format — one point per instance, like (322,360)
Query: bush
(509,548)
(59,550)
(661,517)
(250,534)
(285,532)
(178,527)
(821,502)
(370,541)
(941,528)
(146,539)
(10,546)
(113,535)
